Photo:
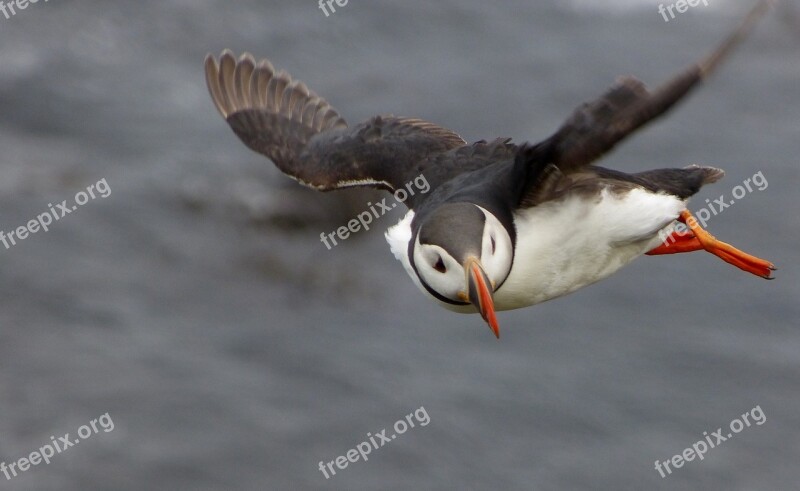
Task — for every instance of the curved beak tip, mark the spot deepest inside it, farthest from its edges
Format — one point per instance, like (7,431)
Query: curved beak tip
(495,328)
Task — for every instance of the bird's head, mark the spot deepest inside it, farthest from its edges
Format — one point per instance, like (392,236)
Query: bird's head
(462,253)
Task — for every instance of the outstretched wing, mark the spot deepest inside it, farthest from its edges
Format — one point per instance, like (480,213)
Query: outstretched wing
(307,139)
(596,127)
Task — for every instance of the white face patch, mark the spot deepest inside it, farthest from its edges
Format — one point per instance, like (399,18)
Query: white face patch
(497,252)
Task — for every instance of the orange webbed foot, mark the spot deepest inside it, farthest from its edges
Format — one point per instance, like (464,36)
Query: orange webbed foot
(725,251)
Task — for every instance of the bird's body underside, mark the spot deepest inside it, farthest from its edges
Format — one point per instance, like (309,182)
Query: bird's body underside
(568,244)
(504,225)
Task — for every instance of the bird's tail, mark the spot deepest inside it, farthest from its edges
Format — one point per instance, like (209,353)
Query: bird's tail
(682,183)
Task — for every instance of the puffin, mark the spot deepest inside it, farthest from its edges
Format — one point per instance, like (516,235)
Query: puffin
(503,226)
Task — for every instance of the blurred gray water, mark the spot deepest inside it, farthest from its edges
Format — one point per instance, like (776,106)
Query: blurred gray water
(198,308)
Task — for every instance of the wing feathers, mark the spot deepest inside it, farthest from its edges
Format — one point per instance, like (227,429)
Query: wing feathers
(307,138)
(241,80)
(212,80)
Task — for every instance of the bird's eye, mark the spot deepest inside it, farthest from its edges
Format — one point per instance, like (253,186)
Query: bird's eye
(492,237)
(439,266)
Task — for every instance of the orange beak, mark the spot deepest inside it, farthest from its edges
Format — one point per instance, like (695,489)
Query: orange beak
(480,293)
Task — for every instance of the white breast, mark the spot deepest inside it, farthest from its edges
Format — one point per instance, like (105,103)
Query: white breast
(568,244)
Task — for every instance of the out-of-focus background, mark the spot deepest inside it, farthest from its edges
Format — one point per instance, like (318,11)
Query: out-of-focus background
(196,305)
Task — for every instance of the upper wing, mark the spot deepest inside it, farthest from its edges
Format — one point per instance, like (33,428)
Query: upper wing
(596,127)
(307,139)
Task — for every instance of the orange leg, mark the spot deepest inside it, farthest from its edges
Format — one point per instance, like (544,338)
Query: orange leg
(676,243)
(698,239)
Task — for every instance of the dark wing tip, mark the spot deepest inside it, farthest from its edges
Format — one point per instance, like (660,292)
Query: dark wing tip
(708,65)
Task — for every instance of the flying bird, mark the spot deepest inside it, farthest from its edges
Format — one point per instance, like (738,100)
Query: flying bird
(503,226)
